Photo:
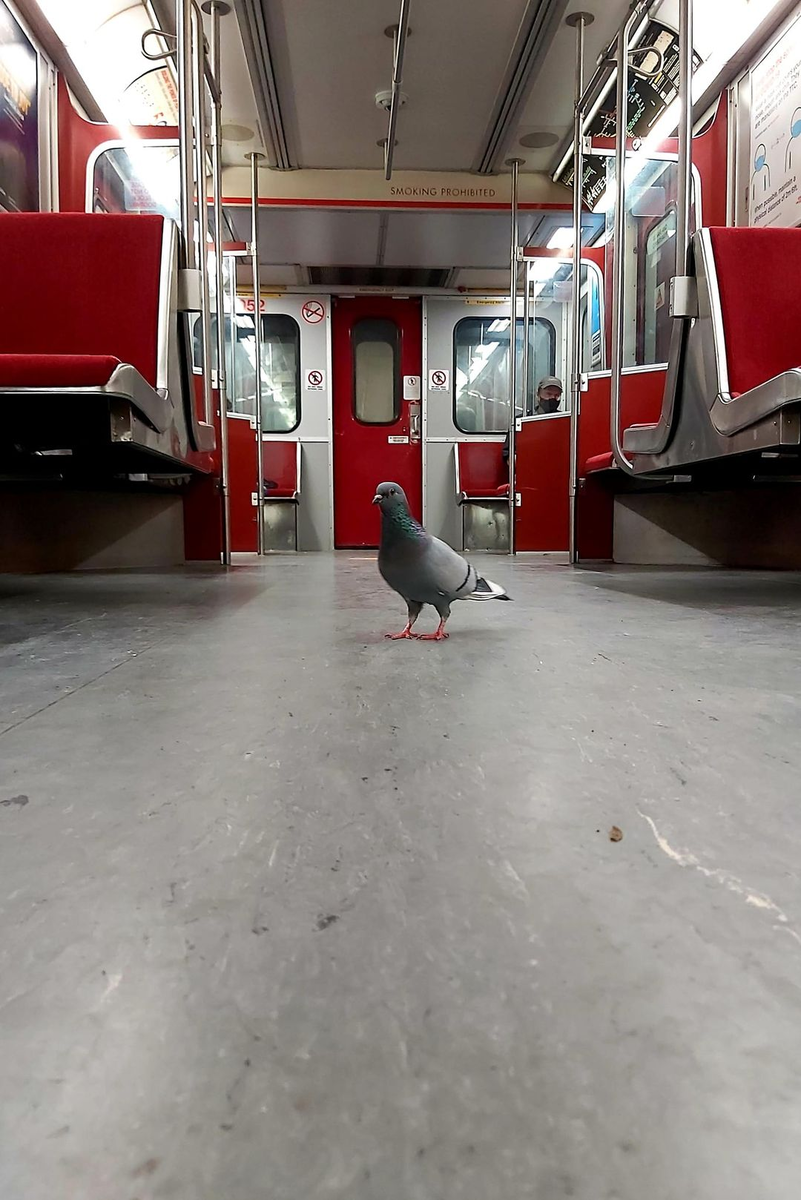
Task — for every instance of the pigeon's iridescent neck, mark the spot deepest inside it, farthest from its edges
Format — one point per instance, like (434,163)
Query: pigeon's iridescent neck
(398,522)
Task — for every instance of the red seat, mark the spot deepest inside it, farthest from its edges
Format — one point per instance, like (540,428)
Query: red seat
(56,370)
(481,473)
(600,462)
(760,324)
(94,281)
(281,462)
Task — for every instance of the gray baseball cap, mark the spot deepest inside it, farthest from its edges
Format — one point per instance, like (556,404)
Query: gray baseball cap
(550,381)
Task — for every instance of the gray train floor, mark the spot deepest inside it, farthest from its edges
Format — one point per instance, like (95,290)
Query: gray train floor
(290,912)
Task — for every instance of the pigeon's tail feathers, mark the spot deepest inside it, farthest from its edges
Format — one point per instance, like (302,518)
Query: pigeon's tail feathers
(487,590)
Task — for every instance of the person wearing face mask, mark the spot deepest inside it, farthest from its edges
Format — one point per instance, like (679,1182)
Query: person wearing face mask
(548,400)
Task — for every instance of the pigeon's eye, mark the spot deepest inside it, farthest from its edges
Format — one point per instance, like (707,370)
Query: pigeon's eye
(392,491)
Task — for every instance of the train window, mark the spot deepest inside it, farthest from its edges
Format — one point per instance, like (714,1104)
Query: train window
(138,178)
(280,369)
(376,371)
(649,252)
(481,369)
(659,265)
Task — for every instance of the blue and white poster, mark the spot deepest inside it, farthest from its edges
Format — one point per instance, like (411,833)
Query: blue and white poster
(19,118)
(774,189)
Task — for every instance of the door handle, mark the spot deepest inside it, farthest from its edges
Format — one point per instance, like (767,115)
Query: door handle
(414,421)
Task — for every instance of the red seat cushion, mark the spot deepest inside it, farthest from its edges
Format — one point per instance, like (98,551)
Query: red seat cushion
(600,462)
(81,284)
(759,278)
(482,471)
(56,370)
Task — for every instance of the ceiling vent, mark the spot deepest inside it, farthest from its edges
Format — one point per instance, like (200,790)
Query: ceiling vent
(384,277)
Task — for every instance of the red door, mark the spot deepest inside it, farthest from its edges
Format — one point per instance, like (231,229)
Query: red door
(377,360)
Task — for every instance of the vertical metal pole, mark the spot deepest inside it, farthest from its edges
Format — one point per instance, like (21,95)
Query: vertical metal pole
(254,258)
(222,389)
(685,173)
(198,56)
(579,20)
(618,264)
(525,364)
(183,30)
(515,164)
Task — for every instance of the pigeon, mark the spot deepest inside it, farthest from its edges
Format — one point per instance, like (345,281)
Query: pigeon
(423,569)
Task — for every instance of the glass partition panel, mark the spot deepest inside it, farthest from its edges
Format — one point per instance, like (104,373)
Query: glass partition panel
(481,350)
(142,178)
(649,255)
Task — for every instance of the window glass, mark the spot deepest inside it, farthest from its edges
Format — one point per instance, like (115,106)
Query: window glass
(142,178)
(376,371)
(280,367)
(660,261)
(649,256)
(481,369)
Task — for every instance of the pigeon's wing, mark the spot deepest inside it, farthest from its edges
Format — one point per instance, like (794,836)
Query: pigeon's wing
(438,573)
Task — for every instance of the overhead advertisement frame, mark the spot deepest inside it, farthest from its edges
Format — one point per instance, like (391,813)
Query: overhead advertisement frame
(19,116)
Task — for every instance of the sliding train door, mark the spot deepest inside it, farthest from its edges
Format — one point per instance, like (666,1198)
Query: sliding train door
(377,363)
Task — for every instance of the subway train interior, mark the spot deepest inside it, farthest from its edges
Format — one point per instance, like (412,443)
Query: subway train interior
(296,910)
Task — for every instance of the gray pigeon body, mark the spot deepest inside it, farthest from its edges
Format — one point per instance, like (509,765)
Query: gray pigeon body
(422,568)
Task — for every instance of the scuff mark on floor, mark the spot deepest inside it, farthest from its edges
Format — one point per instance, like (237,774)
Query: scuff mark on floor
(685,858)
(112,985)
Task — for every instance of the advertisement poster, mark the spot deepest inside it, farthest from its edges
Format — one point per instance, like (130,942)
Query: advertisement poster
(774,197)
(648,98)
(19,118)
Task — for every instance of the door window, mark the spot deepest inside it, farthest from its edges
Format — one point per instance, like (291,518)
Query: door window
(481,369)
(376,371)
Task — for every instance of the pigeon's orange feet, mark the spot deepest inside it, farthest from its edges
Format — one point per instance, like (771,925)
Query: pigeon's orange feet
(404,633)
(439,636)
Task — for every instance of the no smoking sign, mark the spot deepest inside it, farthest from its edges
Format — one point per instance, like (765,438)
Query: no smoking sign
(313,312)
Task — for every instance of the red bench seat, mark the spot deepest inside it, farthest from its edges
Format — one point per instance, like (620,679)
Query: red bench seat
(481,473)
(56,370)
(281,462)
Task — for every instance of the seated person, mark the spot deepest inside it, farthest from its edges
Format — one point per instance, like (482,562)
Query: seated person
(549,396)
(547,400)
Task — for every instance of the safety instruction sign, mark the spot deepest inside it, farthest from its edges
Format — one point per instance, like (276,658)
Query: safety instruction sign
(774,192)
(315,381)
(313,312)
(438,381)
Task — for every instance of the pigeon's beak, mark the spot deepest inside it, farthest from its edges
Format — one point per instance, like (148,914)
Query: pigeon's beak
(377,499)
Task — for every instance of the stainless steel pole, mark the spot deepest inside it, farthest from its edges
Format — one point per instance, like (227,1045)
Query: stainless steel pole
(199,77)
(685,172)
(618,264)
(183,30)
(216,8)
(254,258)
(397,80)
(579,20)
(515,164)
(525,364)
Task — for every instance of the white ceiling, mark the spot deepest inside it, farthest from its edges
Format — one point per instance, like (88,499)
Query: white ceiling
(331,59)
